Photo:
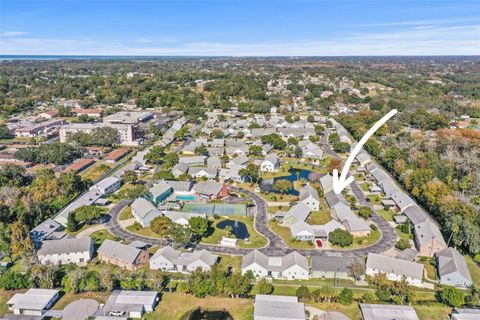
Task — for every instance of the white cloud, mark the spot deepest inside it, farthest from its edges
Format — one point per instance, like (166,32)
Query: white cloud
(452,40)
(12,33)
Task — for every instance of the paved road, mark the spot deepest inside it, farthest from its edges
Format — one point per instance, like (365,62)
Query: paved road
(275,246)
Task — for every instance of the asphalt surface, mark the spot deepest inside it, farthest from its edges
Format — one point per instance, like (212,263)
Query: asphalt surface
(275,246)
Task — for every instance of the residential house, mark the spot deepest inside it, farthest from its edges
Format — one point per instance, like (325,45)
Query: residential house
(181,218)
(34,302)
(180,186)
(395,269)
(465,314)
(309,196)
(270,164)
(179,169)
(387,312)
(64,251)
(331,267)
(428,238)
(47,230)
(122,255)
(238,161)
(363,159)
(452,269)
(107,185)
(169,259)
(214,162)
(211,189)
(159,192)
(193,161)
(203,172)
(267,307)
(144,211)
(116,155)
(327,183)
(231,174)
(291,266)
(129,304)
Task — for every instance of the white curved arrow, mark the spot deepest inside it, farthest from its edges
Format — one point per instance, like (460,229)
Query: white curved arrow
(343,182)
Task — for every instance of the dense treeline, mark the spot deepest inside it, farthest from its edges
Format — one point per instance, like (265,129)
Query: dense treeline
(439,170)
(57,153)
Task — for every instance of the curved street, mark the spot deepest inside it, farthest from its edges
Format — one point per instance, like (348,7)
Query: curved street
(275,246)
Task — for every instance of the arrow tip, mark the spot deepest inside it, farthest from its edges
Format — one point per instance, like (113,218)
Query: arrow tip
(340,184)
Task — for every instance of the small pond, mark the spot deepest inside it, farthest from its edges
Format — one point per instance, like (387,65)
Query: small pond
(199,314)
(295,175)
(240,230)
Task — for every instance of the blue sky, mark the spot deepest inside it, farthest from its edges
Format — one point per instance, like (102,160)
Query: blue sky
(229,27)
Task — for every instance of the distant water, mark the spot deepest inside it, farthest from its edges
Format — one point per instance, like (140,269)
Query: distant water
(76,57)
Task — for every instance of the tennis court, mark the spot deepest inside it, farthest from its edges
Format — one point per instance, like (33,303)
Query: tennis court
(222,209)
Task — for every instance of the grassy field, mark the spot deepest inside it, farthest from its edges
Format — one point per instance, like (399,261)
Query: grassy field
(95,171)
(125,214)
(68,298)
(432,312)
(474,270)
(365,186)
(270,197)
(255,240)
(230,261)
(174,305)
(285,234)
(4,297)
(362,242)
(100,236)
(375,199)
(320,217)
(430,267)
(137,228)
(386,214)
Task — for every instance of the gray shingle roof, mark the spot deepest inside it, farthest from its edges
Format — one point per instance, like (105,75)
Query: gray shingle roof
(387,312)
(65,246)
(334,264)
(278,308)
(449,261)
(396,266)
(119,251)
(308,191)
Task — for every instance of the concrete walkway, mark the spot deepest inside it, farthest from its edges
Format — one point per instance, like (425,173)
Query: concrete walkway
(126,223)
(314,311)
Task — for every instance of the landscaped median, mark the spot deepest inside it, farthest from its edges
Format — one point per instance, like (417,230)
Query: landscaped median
(286,235)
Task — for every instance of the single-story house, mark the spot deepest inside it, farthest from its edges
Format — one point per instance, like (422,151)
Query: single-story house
(130,304)
(428,238)
(203,172)
(122,255)
(159,192)
(267,307)
(193,161)
(47,230)
(169,259)
(144,211)
(211,189)
(291,266)
(34,302)
(107,185)
(395,268)
(333,267)
(387,312)
(452,269)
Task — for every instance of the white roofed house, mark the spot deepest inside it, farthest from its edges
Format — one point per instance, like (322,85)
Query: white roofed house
(312,151)
(214,162)
(34,302)
(268,307)
(232,173)
(452,269)
(181,218)
(270,164)
(395,269)
(363,159)
(327,183)
(169,259)
(402,200)
(64,251)
(107,185)
(387,312)
(193,161)
(203,172)
(129,304)
(144,211)
(291,266)
(179,169)
(238,161)
(309,196)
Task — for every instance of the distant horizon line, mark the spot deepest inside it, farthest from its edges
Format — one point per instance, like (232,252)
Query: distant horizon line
(236,56)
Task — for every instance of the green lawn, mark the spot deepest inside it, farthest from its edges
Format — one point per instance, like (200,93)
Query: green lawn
(286,235)
(365,186)
(67,298)
(100,236)
(230,261)
(432,312)
(174,305)
(352,311)
(375,199)
(125,214)
(386,214)
(137,228)
(4,297)
(362,242)
(319,217)
(430,268)
(474,270)
(255,241)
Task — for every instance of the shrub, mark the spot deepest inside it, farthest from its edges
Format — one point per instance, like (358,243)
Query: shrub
(403,244)
(346,296)
(340,237)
